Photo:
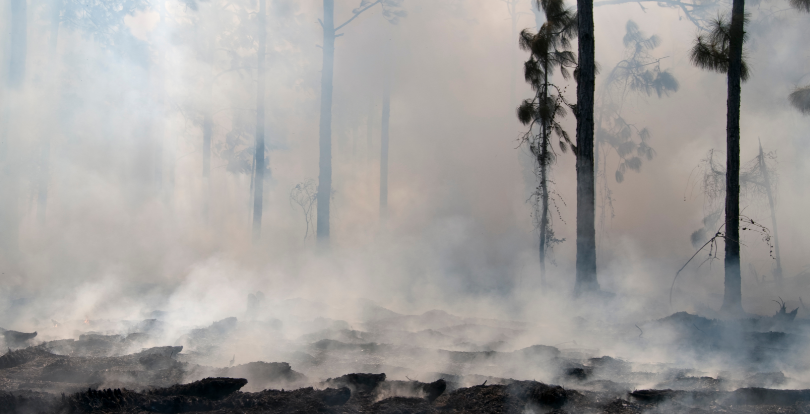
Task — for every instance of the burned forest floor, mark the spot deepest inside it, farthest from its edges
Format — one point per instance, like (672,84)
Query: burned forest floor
(385,362)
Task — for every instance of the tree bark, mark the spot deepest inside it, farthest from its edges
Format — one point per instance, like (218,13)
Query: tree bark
(543,161)
(732,298)
(543,209)
(386,114)
(258,187)
(325,135)
(586,77)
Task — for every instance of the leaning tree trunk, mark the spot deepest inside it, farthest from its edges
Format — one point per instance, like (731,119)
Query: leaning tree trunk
(325,136)
(732,298)
(767,181)
(386,114)
(586,82)
(258,186)
(9,166)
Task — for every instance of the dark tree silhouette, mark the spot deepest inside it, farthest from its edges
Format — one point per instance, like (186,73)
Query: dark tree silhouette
(304,195)
(55,13)
(370,128)
(639,72)
(722,51)
(699,12)
(768,183)
(384,123)
(222,47)
(550,49)
(103,21)
(586,280)
(712,51)
(758,181)
(803,5)
(15,79)
(259,159)
(392,12)
(800,99)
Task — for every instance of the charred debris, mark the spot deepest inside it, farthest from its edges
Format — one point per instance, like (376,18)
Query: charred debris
(430,363)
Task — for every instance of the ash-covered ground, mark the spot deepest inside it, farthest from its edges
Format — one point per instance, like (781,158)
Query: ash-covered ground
(377,360)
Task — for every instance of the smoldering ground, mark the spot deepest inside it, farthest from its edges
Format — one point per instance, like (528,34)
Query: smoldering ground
(135,249)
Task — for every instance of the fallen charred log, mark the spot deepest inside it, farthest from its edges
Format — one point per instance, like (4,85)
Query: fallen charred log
(413,389)
(211,394)
(765,396)
(211,388)
(434,389)
(14,339)
(742,396)
(262,375)
(656,396)
(360,383)
(513,398)
(222,395)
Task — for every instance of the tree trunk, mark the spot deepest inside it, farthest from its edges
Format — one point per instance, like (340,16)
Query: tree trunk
(19,47)
(766,177)
(258,186)
(208,126)
(732,298)
(370,128)
(325,136)
(208,130)
(586,78)
(45,150)
(9,165)
(544,207)
(386,113)
(543,161)
(513,14)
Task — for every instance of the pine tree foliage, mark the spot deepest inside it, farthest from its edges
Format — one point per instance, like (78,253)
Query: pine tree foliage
(102,20)
(800,98)
(803,5)
(711,50)
(550,50)
(638,73)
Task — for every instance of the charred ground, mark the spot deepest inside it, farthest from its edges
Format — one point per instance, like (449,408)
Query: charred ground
(391,363)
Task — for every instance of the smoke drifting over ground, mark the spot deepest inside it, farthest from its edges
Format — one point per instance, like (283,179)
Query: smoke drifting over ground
(134,248)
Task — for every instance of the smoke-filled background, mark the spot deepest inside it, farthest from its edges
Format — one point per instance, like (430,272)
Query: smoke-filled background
(107,215)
